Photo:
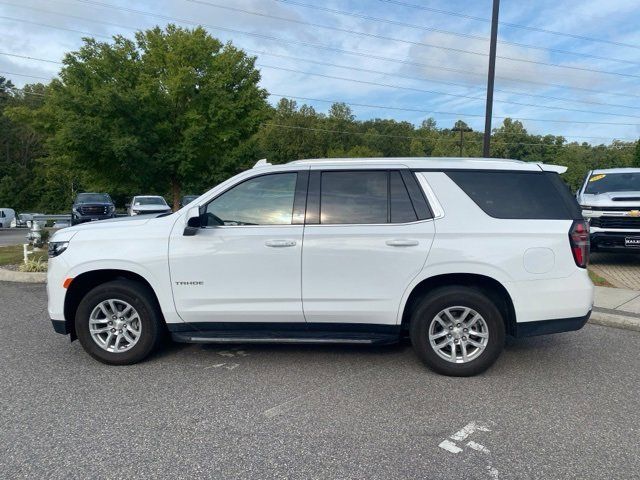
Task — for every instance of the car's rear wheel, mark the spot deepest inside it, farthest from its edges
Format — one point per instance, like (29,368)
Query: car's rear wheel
(457,331)
(119,322)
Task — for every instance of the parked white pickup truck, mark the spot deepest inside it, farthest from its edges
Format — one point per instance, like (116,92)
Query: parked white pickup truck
(610,201)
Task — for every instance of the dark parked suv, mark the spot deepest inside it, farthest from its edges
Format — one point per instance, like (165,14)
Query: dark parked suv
(92,206)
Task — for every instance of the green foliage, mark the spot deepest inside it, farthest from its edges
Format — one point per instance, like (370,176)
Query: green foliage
(149,115)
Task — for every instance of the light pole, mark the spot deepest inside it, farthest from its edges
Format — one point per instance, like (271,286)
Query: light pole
(492,73)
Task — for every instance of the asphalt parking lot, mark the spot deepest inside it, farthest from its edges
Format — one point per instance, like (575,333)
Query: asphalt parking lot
(562,406)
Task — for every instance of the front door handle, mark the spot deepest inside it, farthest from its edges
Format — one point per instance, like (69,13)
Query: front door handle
(402,243)
(280,243)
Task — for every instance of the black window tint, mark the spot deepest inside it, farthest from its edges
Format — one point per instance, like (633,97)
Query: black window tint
(401,207)
(526,195)
(354,197)
(265,200)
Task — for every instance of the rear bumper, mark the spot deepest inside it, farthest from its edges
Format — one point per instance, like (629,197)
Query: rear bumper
(613,241)
(60,326)
(544,327)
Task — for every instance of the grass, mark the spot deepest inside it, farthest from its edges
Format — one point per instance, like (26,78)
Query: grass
(598,281)
(12,255)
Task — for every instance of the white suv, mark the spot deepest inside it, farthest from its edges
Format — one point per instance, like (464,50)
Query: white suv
(454,253)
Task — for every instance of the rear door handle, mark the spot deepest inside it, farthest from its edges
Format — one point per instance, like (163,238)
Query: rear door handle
(280,243)
(402,243)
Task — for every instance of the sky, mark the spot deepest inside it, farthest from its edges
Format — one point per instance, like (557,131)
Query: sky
(386,58)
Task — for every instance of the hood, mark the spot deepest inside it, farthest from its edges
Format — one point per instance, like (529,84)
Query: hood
(110,223)
(93,204)
(151,208)
(611,199)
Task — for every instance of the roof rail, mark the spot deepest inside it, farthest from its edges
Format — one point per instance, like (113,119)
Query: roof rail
(262,163)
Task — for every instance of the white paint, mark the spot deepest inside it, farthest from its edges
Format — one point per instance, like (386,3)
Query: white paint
(450,446)
(226,353)
(461,435)
(468,430)
(216,365)
(477,447)
(493,472)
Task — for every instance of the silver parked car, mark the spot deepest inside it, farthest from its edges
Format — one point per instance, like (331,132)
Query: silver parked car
(147,204)
(610,201)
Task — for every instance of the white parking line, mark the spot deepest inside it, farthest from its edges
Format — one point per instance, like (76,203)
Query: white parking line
(463,434)
(450,446)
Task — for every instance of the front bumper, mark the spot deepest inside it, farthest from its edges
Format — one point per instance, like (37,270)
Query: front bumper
(88,218)
(608,240)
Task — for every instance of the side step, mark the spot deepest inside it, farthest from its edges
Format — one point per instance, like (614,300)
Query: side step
(286,338)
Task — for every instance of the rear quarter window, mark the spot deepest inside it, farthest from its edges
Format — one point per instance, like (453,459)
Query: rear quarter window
(518,195)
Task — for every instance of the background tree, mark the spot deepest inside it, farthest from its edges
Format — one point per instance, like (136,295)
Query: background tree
(153,114)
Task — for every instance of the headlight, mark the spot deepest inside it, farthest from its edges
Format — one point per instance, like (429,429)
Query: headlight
(56,248)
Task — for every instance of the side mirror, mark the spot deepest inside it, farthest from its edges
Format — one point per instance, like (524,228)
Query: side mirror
(193,222)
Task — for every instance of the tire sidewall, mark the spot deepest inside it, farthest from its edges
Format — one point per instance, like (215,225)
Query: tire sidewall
(446,297)
(137,297)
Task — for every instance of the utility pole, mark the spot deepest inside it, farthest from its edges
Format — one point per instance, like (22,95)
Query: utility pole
(490,80)
(461,127)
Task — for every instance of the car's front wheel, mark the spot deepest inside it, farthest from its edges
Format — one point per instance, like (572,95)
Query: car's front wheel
(457,331)
(119,323)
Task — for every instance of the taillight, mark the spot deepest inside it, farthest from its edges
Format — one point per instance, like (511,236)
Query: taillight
(579,240)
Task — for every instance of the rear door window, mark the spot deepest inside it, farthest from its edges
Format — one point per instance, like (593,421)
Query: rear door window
(402,210)
(518,195)
(354,197)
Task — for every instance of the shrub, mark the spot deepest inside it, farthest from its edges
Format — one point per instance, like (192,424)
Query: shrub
(37,265)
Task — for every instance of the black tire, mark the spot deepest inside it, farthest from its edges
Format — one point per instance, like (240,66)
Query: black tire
(136,295)
(438,300)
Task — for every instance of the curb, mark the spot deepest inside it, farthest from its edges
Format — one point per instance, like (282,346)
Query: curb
(615,318)
(22,277)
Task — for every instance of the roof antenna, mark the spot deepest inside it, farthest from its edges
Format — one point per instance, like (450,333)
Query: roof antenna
(261,163)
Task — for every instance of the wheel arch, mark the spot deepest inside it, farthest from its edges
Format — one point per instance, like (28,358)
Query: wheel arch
(88,280)
(489,286)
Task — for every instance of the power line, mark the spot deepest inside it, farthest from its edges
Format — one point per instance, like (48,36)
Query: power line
(302,43)
(399,87)
(409,42)
(288,96)
(22,20)
(457,114)
(449,32)
(421,79)
(29,58)
(507,24)
(22,90)
(24,75)
(434,92)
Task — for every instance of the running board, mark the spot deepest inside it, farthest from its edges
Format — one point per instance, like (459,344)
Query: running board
(271,338)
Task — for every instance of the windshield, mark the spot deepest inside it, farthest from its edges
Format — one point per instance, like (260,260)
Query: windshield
(94,197)
(613,182)
(149,201)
